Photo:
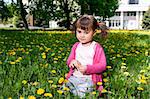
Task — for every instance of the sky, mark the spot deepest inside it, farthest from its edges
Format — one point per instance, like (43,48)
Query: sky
(9,1)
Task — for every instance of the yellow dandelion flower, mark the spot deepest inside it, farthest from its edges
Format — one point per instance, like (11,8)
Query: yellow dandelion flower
(9,97)
(48,95)
(53,71)
(19,58)
(104,91)
(118,55)
(1,62)
(31,97)
(99,83)
(35,83)
(123,67)
(60,91)
(123,63)
(105,80)
(126,73)
(43,56)
(17,61)
(94,93)
(21,97)
(61,80)
(143,81)
(50,81)
(66,89)
(24,82)
(12,63)
(108,67)
(65,81)
(146,53)
(54,86)
(142,71)
(140,88)
(40,91)
(56,59)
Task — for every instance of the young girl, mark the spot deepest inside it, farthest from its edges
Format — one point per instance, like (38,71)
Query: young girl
(87,59)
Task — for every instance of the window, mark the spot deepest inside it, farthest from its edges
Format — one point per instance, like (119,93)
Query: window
(117,14)
(133,1)
(129,13)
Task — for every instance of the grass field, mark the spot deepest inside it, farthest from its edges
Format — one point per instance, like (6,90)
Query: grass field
(33,65)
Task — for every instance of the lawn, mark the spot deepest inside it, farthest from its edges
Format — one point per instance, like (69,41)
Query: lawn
(33,64)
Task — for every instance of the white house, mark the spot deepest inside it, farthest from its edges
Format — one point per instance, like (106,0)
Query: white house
(129,15)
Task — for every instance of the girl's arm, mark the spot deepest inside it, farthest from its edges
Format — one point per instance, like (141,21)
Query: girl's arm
(72,54)
(99,62)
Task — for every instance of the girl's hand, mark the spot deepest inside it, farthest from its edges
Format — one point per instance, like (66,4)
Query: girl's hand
(74,64)
(82,69)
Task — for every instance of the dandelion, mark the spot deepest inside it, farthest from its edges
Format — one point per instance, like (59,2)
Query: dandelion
(104,91)
(24,82)
(40,91)
(56,59)
(123,64)
(126,73)
(108,67)
(105,80)
(50,81)
(99,83)
(60,91)
(1,62)
(123,67)
(142,71)
(143,81)
(146,53)
(54,86)
(48,95)
(12,63)
(43,55)
(9,97)
(65,81)
(53,71)
(31,97)
(94,93)
(66,89)
(21,97)
(140,88)
(61,80)
(35,83)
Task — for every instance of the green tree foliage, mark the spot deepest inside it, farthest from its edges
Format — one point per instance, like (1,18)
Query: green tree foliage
(4,12)
(146,20)
(42,10)
(102,8)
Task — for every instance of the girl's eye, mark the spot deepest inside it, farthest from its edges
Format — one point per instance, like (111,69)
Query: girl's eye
(78,31)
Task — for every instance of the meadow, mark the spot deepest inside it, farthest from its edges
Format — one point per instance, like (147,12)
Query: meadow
(33,65)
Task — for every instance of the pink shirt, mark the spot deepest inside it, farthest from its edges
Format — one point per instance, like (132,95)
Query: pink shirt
(96,69)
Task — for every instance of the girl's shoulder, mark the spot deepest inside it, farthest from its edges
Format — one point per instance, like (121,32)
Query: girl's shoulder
(98,45)
(75,45)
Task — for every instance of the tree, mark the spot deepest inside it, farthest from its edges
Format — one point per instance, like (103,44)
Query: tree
(4,12)
(146,20)
(102,8)
(23,13)
(67,7)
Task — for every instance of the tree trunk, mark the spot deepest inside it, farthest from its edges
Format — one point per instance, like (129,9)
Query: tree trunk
(67,12)
(23,14)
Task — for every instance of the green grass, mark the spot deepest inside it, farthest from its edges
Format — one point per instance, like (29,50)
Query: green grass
(127,54)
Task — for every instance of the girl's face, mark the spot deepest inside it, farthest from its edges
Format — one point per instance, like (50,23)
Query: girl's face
(85,37)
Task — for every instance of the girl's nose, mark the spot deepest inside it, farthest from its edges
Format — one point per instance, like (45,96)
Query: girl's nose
(82,34)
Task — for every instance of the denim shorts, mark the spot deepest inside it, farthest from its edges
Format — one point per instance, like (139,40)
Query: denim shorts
(80,85)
